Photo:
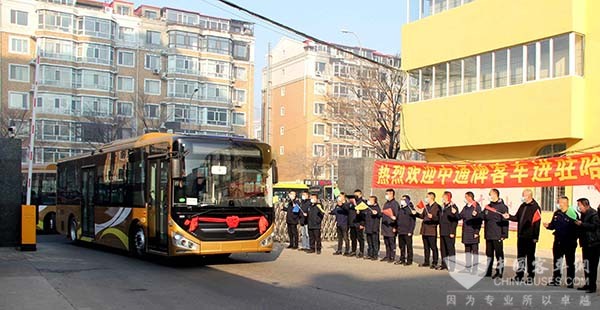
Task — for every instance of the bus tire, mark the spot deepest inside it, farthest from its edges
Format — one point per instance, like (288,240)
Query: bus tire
(72,229)
(50,223)
(137,241)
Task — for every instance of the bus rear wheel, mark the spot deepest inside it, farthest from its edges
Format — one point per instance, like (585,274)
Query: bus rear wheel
(137,241)
(73,230)
(50,223)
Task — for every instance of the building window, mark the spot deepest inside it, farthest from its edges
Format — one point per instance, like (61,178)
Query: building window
(239,119)
(151,111)
(486,70)
(282,111)
(152,37)
(240,95)
(282,91)
(241,51)
(125,83)
(281,130)
(18,17)
(127,34)
(152,87)
(579,54)
(551,194)
(545,59)
(440,80)
(215,116)
(150,14)
(455,82)
(320,68)
(516,65)
(319,129)
(470,74)
(18,73)
(19,45)
(241,74)
(17,100)
(318,150)
(97,53)
(320,89)
(531,59)
(152,62)
(123,10)
(124,108)
(500,68)
(281,150)
(319,108)
(126,58)
(560,55)
(218,45)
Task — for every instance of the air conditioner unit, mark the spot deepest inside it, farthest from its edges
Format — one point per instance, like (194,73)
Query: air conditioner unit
(163,76)
(164,53)
(318,73)
(156,71)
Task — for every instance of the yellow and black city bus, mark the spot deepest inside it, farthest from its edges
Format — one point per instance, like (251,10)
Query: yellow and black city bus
(170,195)
(43,194)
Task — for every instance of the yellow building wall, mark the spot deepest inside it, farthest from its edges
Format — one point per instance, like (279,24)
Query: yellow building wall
(486,25)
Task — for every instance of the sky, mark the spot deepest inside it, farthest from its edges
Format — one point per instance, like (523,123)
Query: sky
(376,22)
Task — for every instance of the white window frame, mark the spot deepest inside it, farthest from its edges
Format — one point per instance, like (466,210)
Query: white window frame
(314,149)
(11,47)
(282,111)
(132,83)
(282,130)
(281,150)
(157,109)
(237,98)
(315,129)
(243,77)
(132,59)
(315,110)
(146,64)
(28,76)
(16,23)
(24,106)
(233,119)
(118,106)
(318,93)
(146,89)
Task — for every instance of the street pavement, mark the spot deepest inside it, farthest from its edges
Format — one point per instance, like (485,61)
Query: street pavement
(61,275)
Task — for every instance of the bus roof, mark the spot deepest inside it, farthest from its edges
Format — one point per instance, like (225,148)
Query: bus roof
(156,137)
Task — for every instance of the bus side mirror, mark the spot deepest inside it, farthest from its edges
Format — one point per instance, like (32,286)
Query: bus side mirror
(275,172)
(176,172)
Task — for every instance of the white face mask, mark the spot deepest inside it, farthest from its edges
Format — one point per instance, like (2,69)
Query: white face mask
(313,200)
(466,201)
(304,197)
(369,203)
(522,199)
(426,200)
(388,197)
(403,203)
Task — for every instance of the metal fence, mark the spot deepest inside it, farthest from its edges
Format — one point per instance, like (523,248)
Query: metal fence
(328,231)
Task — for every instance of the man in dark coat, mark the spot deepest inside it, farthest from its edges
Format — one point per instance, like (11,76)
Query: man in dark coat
(429,230)
(589,239)
(315,218)
(565,242)
(304,204)
(406,223)
(528,220)
(357,228)
(471,217)
(292,217)
(341,222)
(388,225)
(372,227)
(448,224)
(496,230)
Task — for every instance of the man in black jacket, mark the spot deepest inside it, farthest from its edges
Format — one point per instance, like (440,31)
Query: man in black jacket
(496,231)
(315,218)
(388,225)
(448,223)
(341,222)
(528,220)
(292,209)
(372,227)
(565,242)
(358,228)
(429,231)
(471,217)
(589,239)
(406,222)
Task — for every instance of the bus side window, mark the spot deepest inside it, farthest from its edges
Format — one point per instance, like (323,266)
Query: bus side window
(134,195)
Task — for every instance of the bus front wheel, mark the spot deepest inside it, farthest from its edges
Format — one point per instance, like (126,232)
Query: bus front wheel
(137,241)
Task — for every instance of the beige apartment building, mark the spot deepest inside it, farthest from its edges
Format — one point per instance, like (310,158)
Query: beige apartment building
(115,70)
(299,120)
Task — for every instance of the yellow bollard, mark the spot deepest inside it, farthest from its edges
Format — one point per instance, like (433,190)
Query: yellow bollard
(28,223)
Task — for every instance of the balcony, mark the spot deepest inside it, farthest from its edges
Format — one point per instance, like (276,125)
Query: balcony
(536,111)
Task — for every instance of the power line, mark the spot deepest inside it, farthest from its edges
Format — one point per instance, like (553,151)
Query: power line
(305,35)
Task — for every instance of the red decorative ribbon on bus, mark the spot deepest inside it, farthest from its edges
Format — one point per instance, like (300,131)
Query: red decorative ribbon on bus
(231,221)
(581,169)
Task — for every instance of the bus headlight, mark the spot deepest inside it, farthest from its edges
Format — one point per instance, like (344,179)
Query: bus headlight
(268,241)
(182,242)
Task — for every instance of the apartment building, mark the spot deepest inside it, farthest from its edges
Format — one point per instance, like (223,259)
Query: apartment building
(304,92)
(114,70)
(501,80)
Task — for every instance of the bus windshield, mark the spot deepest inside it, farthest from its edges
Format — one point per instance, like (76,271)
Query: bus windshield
(224,174)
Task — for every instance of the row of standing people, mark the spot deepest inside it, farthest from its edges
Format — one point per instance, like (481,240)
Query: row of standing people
(396,220)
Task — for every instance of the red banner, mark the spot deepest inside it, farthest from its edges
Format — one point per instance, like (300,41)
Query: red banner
(581,169)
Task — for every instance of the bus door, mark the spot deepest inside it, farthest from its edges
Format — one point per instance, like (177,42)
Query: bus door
(158,204)
(88,176)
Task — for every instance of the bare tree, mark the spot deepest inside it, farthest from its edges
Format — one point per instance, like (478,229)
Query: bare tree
(367,106)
